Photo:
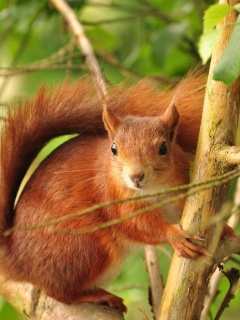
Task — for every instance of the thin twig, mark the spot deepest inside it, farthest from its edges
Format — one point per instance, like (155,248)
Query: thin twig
(83,43)
(155,277)
(191,189)
(22,44)
(30,69)
(233,276)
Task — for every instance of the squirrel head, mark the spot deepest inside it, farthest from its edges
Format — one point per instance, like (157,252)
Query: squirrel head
(142,147)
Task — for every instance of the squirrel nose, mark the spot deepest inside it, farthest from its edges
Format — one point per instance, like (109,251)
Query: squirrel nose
(137,177)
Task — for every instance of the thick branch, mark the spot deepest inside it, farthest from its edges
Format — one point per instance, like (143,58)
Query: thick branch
(184,295)
(33,304)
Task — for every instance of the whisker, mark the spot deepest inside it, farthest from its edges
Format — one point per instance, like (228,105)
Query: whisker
(116,164)
(94,177)
(77,170)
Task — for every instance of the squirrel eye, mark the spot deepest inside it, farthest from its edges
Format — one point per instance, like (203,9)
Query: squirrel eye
(114,149)
(163,148)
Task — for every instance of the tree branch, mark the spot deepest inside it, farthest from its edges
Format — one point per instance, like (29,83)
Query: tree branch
(227,247)
(233,276)
(185,295)
(34,304)
(229,155)
(83,43)
(155,277)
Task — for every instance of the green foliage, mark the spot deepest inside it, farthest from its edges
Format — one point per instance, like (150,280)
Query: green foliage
(207,43)
(7,312)
(228,68)
(132,39)
(212,16)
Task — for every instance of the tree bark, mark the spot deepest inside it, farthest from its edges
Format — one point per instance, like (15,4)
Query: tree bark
(187,281)
(34,304)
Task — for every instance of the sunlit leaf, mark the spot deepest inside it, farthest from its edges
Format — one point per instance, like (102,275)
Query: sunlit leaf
(207,43)
(228,68)
(214,14)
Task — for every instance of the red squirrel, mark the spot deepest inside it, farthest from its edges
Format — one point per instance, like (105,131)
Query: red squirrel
(141,146)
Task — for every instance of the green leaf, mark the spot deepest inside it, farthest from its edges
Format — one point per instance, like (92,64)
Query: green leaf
(228,68)
(214,14)
(166,40)
(207,43)
(102,40)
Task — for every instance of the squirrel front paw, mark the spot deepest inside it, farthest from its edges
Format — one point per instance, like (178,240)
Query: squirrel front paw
(180,240)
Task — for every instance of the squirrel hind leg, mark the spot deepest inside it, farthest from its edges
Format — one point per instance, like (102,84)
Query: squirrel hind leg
(96,295)
(101,296)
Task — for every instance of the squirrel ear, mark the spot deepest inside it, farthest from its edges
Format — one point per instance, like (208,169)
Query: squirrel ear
(171,119)
(111,122)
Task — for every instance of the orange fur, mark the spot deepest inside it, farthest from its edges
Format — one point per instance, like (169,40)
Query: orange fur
(152,137)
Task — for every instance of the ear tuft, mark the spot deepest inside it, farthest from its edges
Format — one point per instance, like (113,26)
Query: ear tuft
(171,119)
(111,122)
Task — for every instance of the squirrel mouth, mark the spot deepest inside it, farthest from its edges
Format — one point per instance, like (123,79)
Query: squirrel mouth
(138,185)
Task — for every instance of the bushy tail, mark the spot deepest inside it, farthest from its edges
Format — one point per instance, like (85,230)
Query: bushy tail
(189,99)
(70,108)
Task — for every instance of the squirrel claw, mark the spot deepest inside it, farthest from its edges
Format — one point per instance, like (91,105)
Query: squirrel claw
(184,247)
